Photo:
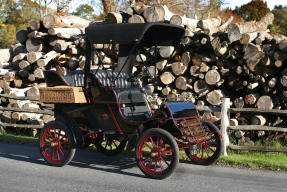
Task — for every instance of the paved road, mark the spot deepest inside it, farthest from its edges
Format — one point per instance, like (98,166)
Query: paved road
(22,169)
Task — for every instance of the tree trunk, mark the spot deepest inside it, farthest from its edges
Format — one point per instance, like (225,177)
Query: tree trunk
(54,21)
(66,33)
(237,29)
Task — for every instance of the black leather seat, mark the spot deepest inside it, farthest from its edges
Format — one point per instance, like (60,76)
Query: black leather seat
(108,78)
(105,78)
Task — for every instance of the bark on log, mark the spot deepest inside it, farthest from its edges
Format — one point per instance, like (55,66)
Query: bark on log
(62,45)
(160,65)
(157,14)
(21,36)
(186,58)
(24,64)
(139,7)
(35,25)
(9,76)
(19,57)
(258,120)
(237,29)
(210,25)
(53,21)
(114,17)
(239,102)
(251,99)
(66,33)
(191,24)
(136,19)
(248,38)
(252,55)
(47,58)
(38,73)
(200,87)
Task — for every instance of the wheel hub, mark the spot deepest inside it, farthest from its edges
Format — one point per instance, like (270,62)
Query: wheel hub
(55,144)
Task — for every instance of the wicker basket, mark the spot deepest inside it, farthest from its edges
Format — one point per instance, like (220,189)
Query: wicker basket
(62,94)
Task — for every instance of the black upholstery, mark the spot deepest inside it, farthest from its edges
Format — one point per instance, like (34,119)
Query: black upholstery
(105,78)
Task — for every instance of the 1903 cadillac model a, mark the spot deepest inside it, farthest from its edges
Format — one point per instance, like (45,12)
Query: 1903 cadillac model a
(111,108)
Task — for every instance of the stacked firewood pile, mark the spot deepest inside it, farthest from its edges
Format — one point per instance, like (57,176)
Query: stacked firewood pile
(216,59)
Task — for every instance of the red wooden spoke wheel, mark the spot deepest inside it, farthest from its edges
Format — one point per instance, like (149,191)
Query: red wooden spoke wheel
(56,144)
(157,153)
(207,151)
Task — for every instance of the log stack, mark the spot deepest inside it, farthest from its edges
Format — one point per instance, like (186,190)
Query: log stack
(242,61)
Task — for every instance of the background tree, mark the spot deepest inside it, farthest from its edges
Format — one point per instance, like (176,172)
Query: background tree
(280,20)
(15,15)
(85,11)
(254,10)
(227,13)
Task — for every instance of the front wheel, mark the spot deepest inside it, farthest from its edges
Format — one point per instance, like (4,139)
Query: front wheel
(207,151)
(157,153)
(57,144)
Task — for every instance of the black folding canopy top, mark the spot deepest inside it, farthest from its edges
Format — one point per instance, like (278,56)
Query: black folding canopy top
(145,34)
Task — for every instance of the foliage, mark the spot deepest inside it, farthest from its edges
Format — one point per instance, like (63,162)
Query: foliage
(85,11)
(227,13)
(15,15)
(280,20)
(254,10)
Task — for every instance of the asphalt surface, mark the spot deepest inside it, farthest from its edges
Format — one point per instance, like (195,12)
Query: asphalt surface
(22,169)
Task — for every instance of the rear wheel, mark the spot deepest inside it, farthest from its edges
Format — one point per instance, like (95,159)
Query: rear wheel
(57,144)
(157,153)
(112,144)
(207,151)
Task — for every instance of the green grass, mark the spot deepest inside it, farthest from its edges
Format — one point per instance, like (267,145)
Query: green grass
(19,139)
(255,160)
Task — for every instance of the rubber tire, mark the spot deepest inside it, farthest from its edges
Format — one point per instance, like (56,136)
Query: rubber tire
(174,147)
(71,138)
(114,152)
(217,154)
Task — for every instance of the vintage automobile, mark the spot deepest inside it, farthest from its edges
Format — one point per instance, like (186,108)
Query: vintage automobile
(111,108)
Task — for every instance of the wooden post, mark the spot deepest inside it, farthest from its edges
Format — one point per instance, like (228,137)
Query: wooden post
(225,123)
(2,130)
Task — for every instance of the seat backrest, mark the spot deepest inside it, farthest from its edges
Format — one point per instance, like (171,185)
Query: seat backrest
(108,78)
(105,78)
